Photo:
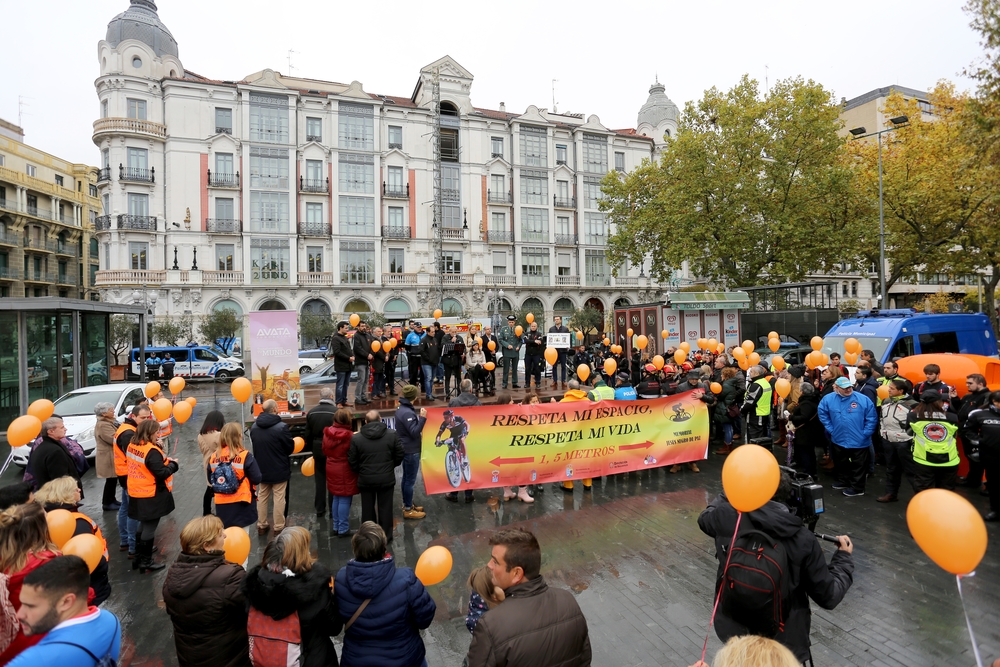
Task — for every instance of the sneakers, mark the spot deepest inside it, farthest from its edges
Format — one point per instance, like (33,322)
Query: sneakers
(887,498)
(851,493)
(837,486)
(413,513)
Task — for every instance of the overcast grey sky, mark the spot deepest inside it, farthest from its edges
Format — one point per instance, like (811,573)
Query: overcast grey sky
(604,55)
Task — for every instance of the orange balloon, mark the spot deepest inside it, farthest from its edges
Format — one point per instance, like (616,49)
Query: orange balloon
(492,345)
(772,334)
(824,359)
(23,430)
(748,346)
(489,365)
(664,334)
(753,358)
(686,346)
(606,341)
(948,529)
(702,343)
(241,389)
(182,411)
(816,343)
(583,372)
(88,547)
(852,345)
(433,566)
(162,409)
(376,346)
(610,365)
(716,388)
(191,400)
(630,333)
(152,389)
(518,330)
(739,354)
(237,545)
(750,477)
(300,444)
(783,386)
(479,341)
(778,362)
(42,408)
(773,344)
(850,358)
(713,344)
(883,391)
(529,318)
(62,525)
(812,359)
(658,362)
(176,385)
(354,319)
(641,342)
(438,313)
(309,467)
(721,348)
(680,356)
(579,335)
(617,349)
(743,363)
(551,355)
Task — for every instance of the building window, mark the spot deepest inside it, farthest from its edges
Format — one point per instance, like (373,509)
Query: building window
(394,185)
(269,261)
(357,173)
(395,136)
(356,127)
(357,216)
(269,212)
(562,192)
(396,260)
(496,144)
(59,180)
(620,162)
(854,288)
(597,268)
(498,187)
(224,164)
(498,222)
(314,258)
(560,154)
(138,204)
(499,262)
(224,256)
(565,264)
(396,217)
(137,109)
(357,262)
(314,129)
(138,158)
(93,190)
(843,289)
(534,187)
(29,169)
(534,146)
(268,168)
(591,192)
(595,154)
(451,183)
(563,227)
(136,62)
(451,217)
(314,216)
(535,225)
(224,120)
(594,228)
(451,261)
(535,266)
(105,158)
(269,118)
(104,108)
(137,255)
(448,145)
(224,209)
(32,202)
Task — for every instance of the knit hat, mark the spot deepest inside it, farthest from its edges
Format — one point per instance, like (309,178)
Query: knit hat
(797,371)
(410,392)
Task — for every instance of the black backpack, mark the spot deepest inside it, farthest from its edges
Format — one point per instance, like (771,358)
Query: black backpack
(756,587)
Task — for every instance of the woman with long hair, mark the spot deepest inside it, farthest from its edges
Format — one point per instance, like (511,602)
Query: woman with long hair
(474,362)
(204,598)
(64,494)
(341,481)
(290,580)
(150,491)
(729,395)
(104,458)
(208,442)
(238,508)
(24,545)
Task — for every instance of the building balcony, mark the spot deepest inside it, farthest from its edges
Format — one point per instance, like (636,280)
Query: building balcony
(565,239)
(564,202)
(39,245)
(315,279)
(219,129)
(104,174)
(451,194)
(493,156)
(535,280)
(318,138)
(496,280)
(138,222)
(129,277)
(32,276)
(317,185)
(102,223)
(9,238)
(626,281)
(8,205)
(66,279)
(499,197)
(395,191)
(129,126)
(567,281)
(597,280)
(37,212)
(456,278)
(399,279)
(67,250)
(595,239)
(136,174)
(395,232)
(9,274)
(223,180)
(222,277)
(395,144)
(499,237)
(314,228)
(66,219)
(534,236)
(223,226)
(453,233)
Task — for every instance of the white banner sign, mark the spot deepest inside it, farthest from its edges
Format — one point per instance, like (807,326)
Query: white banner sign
(713,325)
(672,323)
(692,327)
(559,340)
(731,322)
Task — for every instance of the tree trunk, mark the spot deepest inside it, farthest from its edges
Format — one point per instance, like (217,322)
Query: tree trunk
(989,296)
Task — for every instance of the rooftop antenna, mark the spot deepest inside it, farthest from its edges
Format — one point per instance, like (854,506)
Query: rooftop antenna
(20,109)
(554,107)
(290,66)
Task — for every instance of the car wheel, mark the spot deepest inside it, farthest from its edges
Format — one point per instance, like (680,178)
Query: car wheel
(94,381)
(304,370)
(222,375)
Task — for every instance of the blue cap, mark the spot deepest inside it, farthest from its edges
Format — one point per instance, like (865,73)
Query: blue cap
(843,383)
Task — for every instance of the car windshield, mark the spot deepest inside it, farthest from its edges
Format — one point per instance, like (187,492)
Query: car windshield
(218,350)
(878,345)
(83,403)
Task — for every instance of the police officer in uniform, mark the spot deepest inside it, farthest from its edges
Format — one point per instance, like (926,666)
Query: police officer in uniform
(935,447)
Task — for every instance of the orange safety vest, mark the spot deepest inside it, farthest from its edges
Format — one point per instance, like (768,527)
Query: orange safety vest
(121,461)
(94,529)
(166,430)
(141,483)
(243,494)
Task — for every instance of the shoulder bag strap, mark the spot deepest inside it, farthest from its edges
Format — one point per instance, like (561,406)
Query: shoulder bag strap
(356,614)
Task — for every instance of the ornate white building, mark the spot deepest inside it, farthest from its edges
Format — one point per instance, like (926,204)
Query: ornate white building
(286,193)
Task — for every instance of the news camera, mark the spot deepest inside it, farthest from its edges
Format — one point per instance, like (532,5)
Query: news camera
(805,497)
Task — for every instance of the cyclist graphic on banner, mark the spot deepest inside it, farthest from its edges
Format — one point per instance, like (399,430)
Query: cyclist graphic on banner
(456,461)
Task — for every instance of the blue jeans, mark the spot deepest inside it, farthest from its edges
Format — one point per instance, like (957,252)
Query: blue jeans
(340,512)
(343,382)
(411,464)
(428,378)
(127,528)
(727,432)
(439,372)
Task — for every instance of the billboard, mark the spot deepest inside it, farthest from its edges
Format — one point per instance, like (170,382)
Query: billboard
(274,347)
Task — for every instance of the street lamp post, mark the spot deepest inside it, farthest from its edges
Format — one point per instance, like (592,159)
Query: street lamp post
(861,133)
(147,299)
(493,300)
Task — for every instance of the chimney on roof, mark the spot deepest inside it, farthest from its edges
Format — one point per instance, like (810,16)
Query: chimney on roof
(503,107)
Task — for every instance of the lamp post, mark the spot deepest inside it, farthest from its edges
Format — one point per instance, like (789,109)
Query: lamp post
(861,133)
(493,300)
(147,299)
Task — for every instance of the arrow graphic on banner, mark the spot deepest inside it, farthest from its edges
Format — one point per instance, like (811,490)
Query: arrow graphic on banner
(641,445)
(500,460)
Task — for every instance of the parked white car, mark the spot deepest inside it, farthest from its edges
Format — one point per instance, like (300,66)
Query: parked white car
(310,359)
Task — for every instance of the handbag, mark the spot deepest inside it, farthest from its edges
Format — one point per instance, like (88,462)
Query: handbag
(733,411)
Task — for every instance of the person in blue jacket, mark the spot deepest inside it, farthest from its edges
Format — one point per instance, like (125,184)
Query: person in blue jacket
(624,391)
(410,426)
(383,607)
(54,601)
(849,418)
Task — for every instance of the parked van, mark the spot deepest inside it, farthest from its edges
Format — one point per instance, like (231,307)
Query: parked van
(905,332)
(194,362)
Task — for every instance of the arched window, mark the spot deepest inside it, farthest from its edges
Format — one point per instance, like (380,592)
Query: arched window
(451,307)
(396,309)
(622,302)
(316,307)
(357,306)
(272,304)
(228,304)
(563,307)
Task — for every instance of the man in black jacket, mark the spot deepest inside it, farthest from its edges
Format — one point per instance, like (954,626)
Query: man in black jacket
(410,426)
(491,356)
(452,356)
(560,368)
(389,372)
(343,361)
(272,445)
(809,574)
(976,398)
(49,459)
(534,346)
(318,419)
(430,356)
(374,454)
(362,346)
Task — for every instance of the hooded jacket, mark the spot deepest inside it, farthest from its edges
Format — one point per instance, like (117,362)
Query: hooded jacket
(374,454)
(809,574)
(731,393)
(203,597)
(279,594)
(869,388)
(850,420)
(272,445)
(340,479)
(573,395)
(386,634)
(409,426)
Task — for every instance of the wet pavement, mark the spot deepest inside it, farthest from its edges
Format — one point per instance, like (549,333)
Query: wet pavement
(631,552)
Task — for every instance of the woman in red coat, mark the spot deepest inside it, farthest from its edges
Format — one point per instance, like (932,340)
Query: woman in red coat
(341,481)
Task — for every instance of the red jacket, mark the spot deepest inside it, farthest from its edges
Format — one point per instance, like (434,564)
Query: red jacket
(340,479)
(22,642)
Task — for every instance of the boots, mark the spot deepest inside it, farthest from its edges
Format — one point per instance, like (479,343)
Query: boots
(508,493)
(522,494)
(144,558)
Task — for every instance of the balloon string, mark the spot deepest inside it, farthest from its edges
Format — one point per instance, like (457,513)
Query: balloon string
(718,596)
(968,623)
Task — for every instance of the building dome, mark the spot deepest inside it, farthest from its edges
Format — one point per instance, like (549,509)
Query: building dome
(141,22)
(658,107)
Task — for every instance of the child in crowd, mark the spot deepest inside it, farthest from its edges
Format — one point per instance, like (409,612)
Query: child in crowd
(485,595)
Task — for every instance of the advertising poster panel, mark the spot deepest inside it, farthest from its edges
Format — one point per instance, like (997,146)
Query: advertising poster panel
(274,345)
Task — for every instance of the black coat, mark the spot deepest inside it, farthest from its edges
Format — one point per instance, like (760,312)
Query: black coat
(451,359)
(204,599)
(318,419)
(361,343)
(49,460)
(809,574)
(162,502)
(409,426)
(809,430)
(341,351)
(429,351)
(534,343)
(309,594)
(374,454)
(272,445)
(99,577)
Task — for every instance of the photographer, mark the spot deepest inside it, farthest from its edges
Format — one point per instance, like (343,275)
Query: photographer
(808,575)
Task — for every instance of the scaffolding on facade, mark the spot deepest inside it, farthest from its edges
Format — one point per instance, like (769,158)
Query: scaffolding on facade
(437,224)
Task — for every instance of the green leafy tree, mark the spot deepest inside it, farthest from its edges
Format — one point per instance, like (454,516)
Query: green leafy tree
(587,319)
(221,325)
(173,331)
(316,327)
(123,328)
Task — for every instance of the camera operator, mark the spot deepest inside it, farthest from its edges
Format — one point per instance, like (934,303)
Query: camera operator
(809,575)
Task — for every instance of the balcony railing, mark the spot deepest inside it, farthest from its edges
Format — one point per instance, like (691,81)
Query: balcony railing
(396,191)
(318,138)
(40,245)
(565,239)
(597,280)
(534,236)
(9,274)
(501,280)
(499,197)
(9,238)
(130,277)
(499,237)
(399,279)
(136,174)
(8,205)
(65,279)
(137,222)
(451,194)
(37,212)
(314,184)
(67,219)
(223,225)
(564,202)
(314,228)
(453,234)
(395,232)
(222,277)
(63,249)
(567,280)
(595,239)
(315,278)
(456,278)
(496,155)
(102,223)
(534,280)
(219,129)
(133,126)
(627,281)
(104,174)
(223,180)
(396,144)
(32,276)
